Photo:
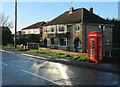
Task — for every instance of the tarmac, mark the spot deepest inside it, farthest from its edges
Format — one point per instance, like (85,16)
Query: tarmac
(103,66)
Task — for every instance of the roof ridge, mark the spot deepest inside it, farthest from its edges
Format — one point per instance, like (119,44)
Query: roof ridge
(34,24)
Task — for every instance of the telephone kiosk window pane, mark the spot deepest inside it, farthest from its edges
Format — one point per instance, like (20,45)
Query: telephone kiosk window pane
(92,43)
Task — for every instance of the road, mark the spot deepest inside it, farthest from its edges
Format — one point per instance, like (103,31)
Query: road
(22,70)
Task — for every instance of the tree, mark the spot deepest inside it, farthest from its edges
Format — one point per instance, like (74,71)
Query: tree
(7,37)
(116,32)
(32,38)
(21,40)
(4,21)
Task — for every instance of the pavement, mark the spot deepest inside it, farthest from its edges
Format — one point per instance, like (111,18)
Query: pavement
(104,66)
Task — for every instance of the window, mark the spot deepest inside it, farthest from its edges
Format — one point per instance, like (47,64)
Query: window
(48,30)
(107,42)
(23,32)
(69,27)
(61,41)
(64,41)
(61,29)
(52,41)
(29,31)
(77,28)
(102,28)
(52,29)
(45,29)
(36,31)
(57,41)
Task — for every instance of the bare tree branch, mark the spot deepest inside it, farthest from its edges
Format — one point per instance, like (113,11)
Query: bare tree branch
(4,21)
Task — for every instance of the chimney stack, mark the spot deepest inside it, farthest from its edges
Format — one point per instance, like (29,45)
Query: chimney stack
(91,10)
(71,10)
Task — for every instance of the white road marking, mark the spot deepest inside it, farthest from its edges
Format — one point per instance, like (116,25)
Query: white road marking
(3,63)
(33,56)
(40,77)
(24,54)
(7,51)
(63,73)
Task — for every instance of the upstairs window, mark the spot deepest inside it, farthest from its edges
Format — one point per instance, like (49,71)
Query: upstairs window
(23,32)
(45,29)
(52,29)
(77,28)
(61,29)
(29,32)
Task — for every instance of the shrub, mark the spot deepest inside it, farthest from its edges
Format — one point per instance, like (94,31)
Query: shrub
(21,49)
(61,53)
(67,55)
(83,58)
(76,57)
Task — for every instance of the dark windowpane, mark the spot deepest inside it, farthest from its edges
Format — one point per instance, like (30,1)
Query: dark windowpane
(61,29)
(52,41)
(61,41)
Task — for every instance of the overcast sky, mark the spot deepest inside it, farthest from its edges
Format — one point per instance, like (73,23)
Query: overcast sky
(32,12)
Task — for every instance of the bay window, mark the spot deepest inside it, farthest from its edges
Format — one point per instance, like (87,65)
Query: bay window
(52,41)
(64,42)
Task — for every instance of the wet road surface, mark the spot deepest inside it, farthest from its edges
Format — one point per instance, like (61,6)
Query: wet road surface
(22,70)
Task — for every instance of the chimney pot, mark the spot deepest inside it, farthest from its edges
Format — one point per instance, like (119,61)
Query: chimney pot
(71,10)
(91,9)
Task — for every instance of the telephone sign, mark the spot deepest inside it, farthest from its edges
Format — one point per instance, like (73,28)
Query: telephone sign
(95,46)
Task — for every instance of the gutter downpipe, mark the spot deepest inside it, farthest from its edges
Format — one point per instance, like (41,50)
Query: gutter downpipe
(84,25)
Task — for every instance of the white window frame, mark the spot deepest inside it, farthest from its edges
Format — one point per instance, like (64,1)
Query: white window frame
(66,41)
(29,32)
(49,29)
(58,29)
(23,32)
(77,27)
(45,29)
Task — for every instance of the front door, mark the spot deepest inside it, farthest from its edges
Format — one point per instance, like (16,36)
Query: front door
(77,45)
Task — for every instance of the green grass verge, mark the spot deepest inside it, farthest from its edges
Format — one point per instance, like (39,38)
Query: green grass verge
(12,47)
(61,55)
(9,47)
(51,53)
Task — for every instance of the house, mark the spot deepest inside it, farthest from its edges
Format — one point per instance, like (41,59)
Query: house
(33,29)
(69,30)
(19,33)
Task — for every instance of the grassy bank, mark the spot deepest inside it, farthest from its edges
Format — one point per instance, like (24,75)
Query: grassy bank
(61,55)
(9,47)
(51,53)
(12,47)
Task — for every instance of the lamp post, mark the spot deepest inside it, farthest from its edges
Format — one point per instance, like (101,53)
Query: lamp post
(15,24)
(102,28)
(56,43)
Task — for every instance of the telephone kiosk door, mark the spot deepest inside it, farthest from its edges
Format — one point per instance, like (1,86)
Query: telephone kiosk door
(94,46)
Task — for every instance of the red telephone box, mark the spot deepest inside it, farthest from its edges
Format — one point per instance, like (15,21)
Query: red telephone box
(95,46)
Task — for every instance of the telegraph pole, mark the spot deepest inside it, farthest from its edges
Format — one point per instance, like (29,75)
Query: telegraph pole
(15,24)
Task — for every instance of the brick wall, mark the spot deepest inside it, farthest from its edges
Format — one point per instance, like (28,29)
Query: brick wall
(107,35)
